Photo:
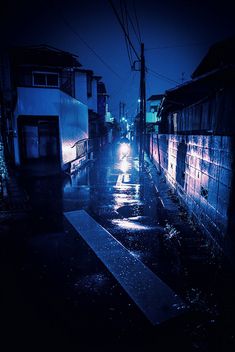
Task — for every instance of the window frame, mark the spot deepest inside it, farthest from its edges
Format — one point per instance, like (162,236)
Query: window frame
(46,73)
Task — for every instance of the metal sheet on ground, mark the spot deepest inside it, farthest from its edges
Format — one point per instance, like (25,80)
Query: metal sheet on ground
(155,299)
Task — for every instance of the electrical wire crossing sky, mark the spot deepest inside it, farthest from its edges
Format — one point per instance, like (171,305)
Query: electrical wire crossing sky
(106,35)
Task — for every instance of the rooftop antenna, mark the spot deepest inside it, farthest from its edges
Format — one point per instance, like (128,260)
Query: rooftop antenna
(182,77)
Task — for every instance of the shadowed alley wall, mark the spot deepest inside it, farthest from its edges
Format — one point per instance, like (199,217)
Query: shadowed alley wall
(200,170)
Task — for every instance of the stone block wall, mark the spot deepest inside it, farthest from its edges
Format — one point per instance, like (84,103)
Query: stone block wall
(200,169)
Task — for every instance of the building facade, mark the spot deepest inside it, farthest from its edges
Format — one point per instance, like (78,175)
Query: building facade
(47,124)
(195,145)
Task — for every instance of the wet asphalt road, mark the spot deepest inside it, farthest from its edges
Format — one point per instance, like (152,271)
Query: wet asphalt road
(56,292)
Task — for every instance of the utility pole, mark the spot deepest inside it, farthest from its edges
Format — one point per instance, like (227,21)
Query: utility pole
(121,109)
(142,109)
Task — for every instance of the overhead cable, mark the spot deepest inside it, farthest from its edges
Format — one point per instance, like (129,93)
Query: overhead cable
(123,28)
(88,46)
(137,22)
(159,75)
(132,24)
(177,46)
(125,23)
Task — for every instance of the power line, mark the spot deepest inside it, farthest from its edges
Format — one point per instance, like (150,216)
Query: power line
(127,26)
(137,22)
(177,46)
(87,45)
(125,23)
(123,28)
(126,90)
(128,85)
(159,75)
(132,24)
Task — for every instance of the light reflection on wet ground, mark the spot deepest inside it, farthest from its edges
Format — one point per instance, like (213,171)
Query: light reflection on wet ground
(132,225)
(112,187)
(130,213)
(126,208)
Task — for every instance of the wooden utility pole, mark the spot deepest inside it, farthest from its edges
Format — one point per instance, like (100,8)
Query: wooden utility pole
(142,109)
(121,109)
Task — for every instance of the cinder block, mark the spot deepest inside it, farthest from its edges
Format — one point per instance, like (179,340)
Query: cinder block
(226,143)
(195,140)
(201,153)
(213,192)
(215,142)
(192,171)
(222,207)
(200,140)
(226,159)
(225,176)
(198,180)
(204,180)
(196,162)
(205,166)
(214,171)
(211,212)
(224,192)
(206,141)
(215,155)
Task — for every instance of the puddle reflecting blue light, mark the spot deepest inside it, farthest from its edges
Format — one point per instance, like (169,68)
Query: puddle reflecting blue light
(124,165)
(121,200)
(137,254)
(130,225)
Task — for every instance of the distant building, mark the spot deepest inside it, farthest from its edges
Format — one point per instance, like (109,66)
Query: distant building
(195,146)
(153,105)
(105,116)
(102,101)
(97,101)
(152,120)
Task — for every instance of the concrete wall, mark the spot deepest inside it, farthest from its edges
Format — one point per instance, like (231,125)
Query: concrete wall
(73,117)
(200,169)
(81,87)
(92,101)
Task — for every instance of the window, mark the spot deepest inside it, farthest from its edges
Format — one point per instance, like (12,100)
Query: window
(52,80)
(39,79)
(45,79)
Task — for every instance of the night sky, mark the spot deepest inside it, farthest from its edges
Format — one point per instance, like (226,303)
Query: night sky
(176,34)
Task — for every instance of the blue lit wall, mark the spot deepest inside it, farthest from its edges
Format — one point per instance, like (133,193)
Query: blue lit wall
(92,101)
(81,87)
(73,117)
(200,168)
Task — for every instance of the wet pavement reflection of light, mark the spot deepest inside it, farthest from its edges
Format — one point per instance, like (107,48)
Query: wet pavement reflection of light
(110,184)
(131,225)
(109,190)
(128,211)
(121,200)
(125,165)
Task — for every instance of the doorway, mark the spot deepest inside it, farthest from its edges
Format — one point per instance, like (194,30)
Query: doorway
(39,139)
